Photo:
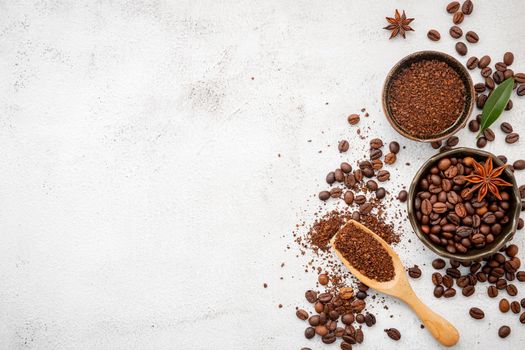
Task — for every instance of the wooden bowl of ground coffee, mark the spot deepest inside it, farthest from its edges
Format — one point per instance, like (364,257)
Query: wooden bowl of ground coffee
(428,96)
(458,225)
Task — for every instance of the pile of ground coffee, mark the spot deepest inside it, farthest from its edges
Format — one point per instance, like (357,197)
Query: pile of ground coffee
(427,98)
(365,253)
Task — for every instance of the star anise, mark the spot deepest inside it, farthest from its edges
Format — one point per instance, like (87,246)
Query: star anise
(399,24)
(486,179)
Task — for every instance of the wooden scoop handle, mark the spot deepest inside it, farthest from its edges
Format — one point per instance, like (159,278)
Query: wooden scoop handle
(441,329)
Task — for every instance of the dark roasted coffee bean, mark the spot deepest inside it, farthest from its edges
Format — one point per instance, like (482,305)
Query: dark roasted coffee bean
(348,197)
(500,66)
(481,100)
(519,164)
(448,281)
(520,77)
(492,291)
(489,134)
(370,320)
(353,119)
(507,74)
(380,193)
(473,63)
(484,61)
(520,276)
(449,293)
(393,333)
(455,32)
(476,313)
(325,298)
(473,125)
(324,195)
(504,331)
(480,87)
(508,58)
(467,7)
(515,307)
(309,332)
(468,291)
(506,128)
(489,83)
(375,154)
(390,158)
(345,167)
(414,272)
(472,37)
(461,48)
(301,314)
(436,144)
(433,35)
(437,278)
(394,147)
(336,192)
(330,178)
(329,338)
(438,291)
(346,346)
(498,77)
(453,141)
(366,208)
(453,7)
(504,305)
(383,175)
(482,142)
(311,296)
(522,318)
(402,196)
(512,138)
(512,290)
(521,90)
(458,17)
(438,263)
(343,146)
(485,72)
(376,143)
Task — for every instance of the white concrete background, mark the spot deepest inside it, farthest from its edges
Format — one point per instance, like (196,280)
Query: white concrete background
(143,202)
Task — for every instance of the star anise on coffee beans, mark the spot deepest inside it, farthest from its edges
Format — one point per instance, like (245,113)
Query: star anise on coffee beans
(399,24)
(486,179)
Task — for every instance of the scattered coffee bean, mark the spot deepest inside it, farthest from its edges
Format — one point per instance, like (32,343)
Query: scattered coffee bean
(438,291)
(506,128)
(504,305)
(433,35)
(461,48)
(522,318)
(519,164)
(449,293)
(393,333)
(437,278)
(402,196)
(452,141)
(476,313)
(512,138)
(508,58)
(343,146)
(515,307)
(345,167)
(311,296)
(394,147)
(492,291)
(414,272)
(473,63)
(489,134)
(504,331)
(481,142)
(473,125)
(484,61)
(353,119)
(458,17)
(468,291)
(438,263)
(472,37)
(455,32)
(390,158)
(521,90)
(323,279)
(520,77)
(309,332)
(467,7)
(520,276)
(302,314)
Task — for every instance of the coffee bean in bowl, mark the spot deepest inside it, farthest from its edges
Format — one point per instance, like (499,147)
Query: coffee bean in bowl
(428,96)
(463,205)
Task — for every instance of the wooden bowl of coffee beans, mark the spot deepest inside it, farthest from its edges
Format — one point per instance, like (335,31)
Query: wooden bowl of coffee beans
(455,214)
(428,96)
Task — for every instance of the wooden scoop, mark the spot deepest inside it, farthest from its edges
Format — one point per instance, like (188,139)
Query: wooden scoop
(399,287)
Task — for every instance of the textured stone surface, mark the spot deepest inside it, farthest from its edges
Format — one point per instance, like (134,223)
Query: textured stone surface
(140,174)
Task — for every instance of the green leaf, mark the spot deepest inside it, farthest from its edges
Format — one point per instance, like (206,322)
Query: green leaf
(496,104)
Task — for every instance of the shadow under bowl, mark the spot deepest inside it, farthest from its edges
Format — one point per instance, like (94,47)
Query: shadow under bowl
(424,56)
(513,212)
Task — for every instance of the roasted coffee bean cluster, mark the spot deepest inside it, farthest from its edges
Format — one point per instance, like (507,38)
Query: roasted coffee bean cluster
(449,212)
(351,184)
(338,316)
(500,271)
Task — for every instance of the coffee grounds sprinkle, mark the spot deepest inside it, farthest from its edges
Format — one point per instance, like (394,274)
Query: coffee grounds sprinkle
(365,253)
(427,98)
